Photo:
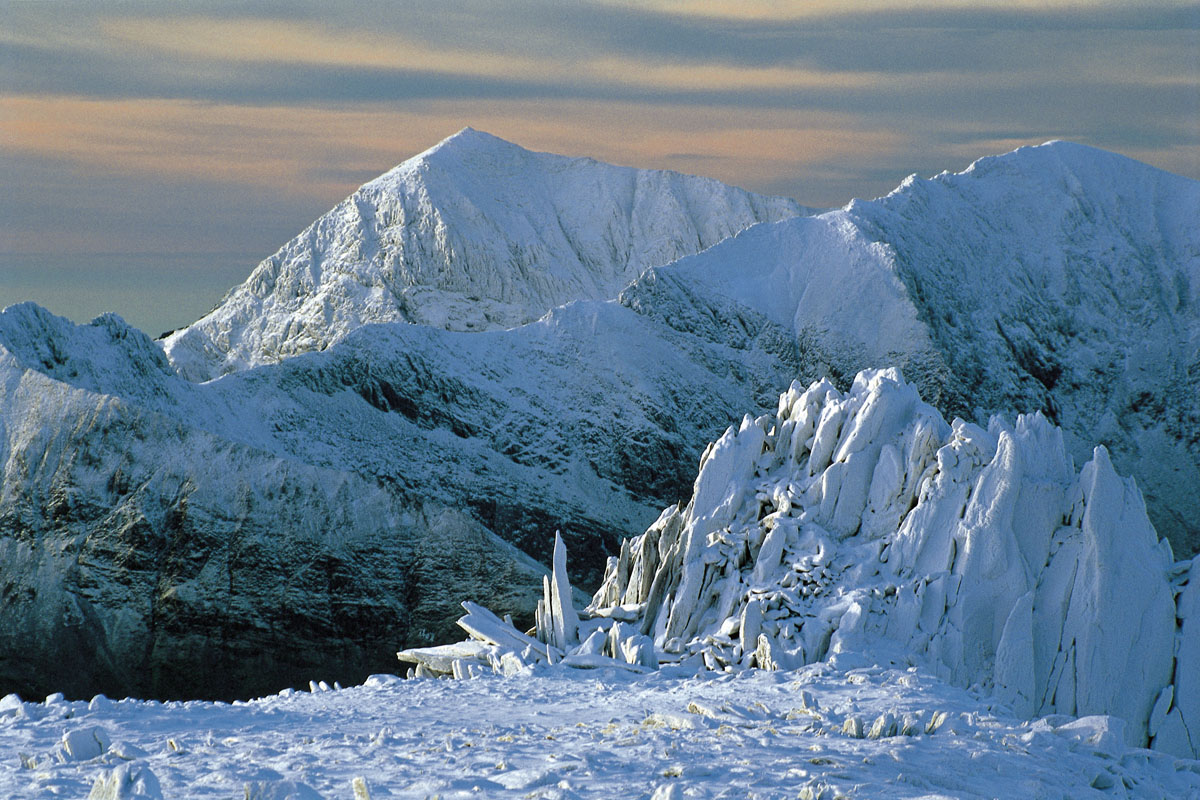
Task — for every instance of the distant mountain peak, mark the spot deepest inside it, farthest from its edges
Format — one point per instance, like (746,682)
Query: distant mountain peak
(466,141)
(475,233)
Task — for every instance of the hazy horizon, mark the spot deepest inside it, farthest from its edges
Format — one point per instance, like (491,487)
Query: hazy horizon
(156,153)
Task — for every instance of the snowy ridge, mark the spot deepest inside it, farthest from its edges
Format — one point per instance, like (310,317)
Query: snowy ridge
(861,526)
(1065,279)
(1057,278)
(141,555)
(476,233)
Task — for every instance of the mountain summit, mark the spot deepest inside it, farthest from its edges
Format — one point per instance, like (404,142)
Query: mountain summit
(474,234)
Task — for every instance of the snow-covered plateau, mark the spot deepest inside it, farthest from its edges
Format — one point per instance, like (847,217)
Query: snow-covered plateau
(399,408)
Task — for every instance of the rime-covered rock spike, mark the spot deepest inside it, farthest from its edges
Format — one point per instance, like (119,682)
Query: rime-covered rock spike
(861,525)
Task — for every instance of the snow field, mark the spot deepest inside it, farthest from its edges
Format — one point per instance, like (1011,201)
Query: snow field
(826,730)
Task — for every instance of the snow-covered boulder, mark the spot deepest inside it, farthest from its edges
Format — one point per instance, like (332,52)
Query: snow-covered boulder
(860,525)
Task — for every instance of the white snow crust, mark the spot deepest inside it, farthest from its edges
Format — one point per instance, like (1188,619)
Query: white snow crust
(861,526)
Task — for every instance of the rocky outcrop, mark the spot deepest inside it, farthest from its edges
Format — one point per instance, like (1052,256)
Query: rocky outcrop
(862,526)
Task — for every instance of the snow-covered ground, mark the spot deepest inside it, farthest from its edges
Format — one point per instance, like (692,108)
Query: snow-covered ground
(565,733)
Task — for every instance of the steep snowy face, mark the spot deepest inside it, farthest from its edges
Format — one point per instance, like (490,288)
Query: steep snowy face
(107,356)
(860,526)
(1065,279)
(1059,278)
(474,234)
(143,556)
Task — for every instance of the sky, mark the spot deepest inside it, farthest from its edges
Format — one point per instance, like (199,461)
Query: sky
(152,153)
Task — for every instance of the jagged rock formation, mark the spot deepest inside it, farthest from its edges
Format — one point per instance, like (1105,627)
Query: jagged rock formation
(474,234)
(862,525)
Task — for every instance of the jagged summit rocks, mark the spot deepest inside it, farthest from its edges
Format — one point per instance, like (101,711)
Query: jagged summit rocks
(861,526)
(475,233)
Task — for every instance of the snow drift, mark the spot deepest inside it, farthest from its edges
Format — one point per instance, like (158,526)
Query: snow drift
(860,525)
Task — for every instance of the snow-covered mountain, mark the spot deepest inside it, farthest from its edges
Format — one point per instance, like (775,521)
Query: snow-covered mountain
(1057,278)
(143,555)
(474,234)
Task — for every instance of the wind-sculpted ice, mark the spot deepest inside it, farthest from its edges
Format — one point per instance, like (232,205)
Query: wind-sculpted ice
(861,525)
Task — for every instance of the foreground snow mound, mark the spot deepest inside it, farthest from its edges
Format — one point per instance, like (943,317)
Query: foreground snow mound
(474,234)
(861,524)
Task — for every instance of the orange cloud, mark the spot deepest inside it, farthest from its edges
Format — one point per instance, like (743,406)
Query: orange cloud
(280,41)
(284,147)
(810,9)
(277,41)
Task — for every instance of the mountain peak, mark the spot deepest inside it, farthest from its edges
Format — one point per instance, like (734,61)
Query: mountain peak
(475,233)
(1058,157)
(469,137)
(466,141)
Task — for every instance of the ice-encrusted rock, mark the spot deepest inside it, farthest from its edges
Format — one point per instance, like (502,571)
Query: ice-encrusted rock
(127,782)
(861,523)
(84,744)
(281,790)
(476,233)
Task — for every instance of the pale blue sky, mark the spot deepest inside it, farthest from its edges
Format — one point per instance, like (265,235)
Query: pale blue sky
(153,153)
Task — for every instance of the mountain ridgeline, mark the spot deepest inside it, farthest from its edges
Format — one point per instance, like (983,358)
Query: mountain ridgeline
(398,409)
